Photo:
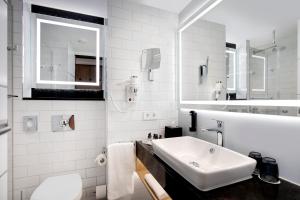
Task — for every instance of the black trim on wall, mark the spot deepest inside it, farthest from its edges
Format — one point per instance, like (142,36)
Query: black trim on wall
(66,14)
(230,45)
(87,57)
(67,94)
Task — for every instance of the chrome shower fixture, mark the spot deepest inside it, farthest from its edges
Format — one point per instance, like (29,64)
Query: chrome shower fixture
(275,47)
(203,71)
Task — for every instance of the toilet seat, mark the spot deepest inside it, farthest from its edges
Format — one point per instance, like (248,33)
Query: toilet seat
(66,187)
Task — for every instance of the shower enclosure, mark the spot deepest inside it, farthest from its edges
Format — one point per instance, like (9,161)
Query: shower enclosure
(273,69)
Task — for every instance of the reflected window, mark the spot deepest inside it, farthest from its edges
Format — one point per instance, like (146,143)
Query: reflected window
(85,71)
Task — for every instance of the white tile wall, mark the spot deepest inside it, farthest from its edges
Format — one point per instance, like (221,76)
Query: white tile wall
(132,28)
(37,156)
(45,153)
(200,40)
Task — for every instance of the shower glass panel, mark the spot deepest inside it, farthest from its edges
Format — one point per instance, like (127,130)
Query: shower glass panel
(273,70)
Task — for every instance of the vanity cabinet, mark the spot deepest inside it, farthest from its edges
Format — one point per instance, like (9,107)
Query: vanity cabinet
(178,188)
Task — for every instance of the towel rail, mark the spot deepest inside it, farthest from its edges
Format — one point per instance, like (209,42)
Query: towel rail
(104,149)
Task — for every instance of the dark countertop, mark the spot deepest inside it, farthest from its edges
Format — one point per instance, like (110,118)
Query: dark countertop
(179,188)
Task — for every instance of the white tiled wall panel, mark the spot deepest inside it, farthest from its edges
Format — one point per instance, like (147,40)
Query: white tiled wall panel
(39,155)
(132,28)
(45,153)
(201,40)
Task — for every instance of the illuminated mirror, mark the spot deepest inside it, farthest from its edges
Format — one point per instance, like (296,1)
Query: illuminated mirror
(64,55)
(61,49)
(258,67)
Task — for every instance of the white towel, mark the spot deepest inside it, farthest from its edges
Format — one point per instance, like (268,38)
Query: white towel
(120,169)
(140,191)
(160,193)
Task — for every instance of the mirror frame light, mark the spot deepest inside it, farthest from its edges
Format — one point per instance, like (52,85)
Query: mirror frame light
(204,9)
(38,54)
(234,69)
(264,71)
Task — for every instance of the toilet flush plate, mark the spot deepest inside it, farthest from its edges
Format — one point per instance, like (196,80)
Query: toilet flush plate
(62,123)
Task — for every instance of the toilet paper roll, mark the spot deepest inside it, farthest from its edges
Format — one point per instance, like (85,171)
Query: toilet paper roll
(101,159)
(101,192)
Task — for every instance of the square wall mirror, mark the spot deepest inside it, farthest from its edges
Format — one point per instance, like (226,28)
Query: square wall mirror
(236,53)
(65,57)
(64,51)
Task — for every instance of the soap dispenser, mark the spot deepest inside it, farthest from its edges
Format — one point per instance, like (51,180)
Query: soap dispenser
(193,127)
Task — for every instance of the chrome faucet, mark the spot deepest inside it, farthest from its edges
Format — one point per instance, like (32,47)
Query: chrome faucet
(220,132)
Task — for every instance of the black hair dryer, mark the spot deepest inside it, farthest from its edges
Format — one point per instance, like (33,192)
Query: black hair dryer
(193,127)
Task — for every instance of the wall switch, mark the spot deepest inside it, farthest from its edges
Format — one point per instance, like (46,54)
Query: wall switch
(148,116)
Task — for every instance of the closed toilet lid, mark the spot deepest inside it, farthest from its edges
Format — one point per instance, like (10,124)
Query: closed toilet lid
(66,187)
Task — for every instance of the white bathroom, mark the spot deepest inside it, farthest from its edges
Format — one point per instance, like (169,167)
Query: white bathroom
(149,99)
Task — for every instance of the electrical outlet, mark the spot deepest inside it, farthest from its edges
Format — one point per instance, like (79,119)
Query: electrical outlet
(148,116)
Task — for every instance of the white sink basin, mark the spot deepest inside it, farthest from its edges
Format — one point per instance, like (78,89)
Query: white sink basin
(205,165)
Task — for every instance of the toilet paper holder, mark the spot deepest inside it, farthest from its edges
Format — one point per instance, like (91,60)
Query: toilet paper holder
(104,150)
(101,159)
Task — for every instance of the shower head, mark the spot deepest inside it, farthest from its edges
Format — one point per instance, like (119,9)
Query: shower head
(275,47)
(278,49)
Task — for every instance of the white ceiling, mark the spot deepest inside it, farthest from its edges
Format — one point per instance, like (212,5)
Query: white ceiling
(256,19)
(174,6)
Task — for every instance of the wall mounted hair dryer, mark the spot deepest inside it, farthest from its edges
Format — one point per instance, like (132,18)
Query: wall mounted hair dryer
(151,60)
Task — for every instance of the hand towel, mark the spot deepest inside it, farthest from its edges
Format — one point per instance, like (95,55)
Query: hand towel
(159,192)
(120,169)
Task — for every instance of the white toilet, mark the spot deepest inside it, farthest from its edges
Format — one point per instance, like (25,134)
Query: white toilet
(66,187)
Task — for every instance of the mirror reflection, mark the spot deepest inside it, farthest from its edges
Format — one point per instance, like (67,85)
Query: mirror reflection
(68,54)
(241,51)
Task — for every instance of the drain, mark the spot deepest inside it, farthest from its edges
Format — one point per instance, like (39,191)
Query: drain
(195,164)
(211,150)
